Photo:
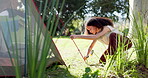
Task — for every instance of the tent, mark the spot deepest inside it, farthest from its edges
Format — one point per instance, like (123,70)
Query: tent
(12,28)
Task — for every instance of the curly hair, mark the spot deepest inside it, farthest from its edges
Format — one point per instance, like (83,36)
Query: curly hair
(98,22)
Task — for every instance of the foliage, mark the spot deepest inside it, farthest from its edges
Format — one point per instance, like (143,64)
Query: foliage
(74,7)
(109,8)
(120,64)
(141,40)
(72,10)
(89,74)
(38,48)
(118,61)
(37,42)
(80,9)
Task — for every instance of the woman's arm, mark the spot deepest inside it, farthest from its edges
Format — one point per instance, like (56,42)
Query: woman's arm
(89,49)
(92,37)
(91,46)
(88,37)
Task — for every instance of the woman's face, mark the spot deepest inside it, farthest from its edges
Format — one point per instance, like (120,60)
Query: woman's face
(93,29)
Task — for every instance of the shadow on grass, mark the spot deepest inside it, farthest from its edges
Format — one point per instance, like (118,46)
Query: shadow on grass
(59,71)
(142,71)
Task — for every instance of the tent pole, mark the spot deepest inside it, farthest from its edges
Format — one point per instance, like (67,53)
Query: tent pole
(25,65)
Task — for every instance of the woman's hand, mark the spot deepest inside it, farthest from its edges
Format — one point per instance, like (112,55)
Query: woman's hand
(73,36)
(85,57)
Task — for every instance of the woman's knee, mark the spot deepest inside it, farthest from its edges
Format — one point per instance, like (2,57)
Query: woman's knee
(113,35)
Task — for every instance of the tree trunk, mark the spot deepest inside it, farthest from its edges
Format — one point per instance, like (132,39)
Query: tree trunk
(137,8)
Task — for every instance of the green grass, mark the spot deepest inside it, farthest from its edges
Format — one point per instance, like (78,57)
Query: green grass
(72,57)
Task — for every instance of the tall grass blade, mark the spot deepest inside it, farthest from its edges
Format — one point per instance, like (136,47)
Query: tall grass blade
(140,41)
(38,39)
(39,45)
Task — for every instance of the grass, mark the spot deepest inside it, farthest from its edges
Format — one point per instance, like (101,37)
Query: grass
(141,42)
(37,40)
(76,67)
(74,61)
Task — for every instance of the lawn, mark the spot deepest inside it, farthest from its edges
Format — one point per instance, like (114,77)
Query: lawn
(76,67)
(74,61)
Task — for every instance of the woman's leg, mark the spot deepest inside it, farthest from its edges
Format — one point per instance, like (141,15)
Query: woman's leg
(113,44)
(111,47)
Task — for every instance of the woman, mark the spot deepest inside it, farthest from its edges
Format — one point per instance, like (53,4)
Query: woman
(102,29)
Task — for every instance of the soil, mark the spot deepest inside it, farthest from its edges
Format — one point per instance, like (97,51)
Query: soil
(142,70)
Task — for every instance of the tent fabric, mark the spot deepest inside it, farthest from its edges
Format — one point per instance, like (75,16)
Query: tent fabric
(54,49)
(12,20)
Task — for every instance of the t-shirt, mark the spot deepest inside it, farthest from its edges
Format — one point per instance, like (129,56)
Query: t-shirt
(105,38)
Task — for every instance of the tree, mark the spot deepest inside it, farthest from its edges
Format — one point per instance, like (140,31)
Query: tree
(74,10)
(109,8)
(138,7)
(102,8)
